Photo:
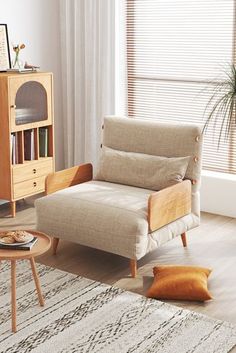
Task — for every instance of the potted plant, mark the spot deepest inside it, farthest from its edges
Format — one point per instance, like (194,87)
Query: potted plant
(221,106)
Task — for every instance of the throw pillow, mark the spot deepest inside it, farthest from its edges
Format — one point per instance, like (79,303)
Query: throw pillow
(141,170)
(180,283)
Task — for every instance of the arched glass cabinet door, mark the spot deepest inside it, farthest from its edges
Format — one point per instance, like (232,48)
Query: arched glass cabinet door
(31,104)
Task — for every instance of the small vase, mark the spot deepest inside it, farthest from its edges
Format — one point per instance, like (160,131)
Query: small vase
(17,63)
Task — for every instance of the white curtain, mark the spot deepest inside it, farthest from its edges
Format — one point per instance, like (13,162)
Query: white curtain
(88,75)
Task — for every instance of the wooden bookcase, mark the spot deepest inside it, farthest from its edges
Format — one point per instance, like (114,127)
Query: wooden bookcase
(26,109)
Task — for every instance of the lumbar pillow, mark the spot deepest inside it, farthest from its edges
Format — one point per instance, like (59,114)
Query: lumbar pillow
(141,170)
(180,283)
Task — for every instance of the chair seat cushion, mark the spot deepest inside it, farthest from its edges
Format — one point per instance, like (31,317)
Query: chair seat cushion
(106,216)
(96,208)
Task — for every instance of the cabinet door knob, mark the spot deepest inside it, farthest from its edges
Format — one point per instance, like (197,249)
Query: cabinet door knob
(34,171)
(35,184)
(13,106)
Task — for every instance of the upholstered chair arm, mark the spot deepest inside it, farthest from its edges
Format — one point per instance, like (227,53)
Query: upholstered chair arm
(68,177)
(167,205)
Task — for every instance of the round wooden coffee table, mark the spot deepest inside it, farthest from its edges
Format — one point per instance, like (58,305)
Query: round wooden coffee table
(42,245)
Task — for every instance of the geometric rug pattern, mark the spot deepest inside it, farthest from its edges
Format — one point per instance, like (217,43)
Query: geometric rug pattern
(84,316)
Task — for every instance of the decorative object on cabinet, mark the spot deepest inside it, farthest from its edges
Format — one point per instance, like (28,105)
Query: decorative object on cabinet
(17,63)
(32,67)
(26,108)
(5,60)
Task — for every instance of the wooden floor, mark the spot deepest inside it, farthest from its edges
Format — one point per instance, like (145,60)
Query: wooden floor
(213,245)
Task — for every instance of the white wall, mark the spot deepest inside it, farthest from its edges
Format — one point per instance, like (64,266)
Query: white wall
(218,193)
(36,24)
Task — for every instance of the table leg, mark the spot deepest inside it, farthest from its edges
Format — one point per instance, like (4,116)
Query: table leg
(13,209)
(36,281)
(13,295)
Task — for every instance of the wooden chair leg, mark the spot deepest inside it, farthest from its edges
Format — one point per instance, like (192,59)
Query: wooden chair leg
(55,242)
(133,268)
(184,239)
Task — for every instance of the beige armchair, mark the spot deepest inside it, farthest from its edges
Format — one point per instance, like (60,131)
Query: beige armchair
(122,218)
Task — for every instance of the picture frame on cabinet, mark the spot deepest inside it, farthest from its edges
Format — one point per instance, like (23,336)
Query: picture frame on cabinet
(5,59)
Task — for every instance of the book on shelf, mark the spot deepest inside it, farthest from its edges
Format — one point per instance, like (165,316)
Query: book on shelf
(43,142)
(14,148)
(19,246)
(29,151)
(16,151)
(13,159)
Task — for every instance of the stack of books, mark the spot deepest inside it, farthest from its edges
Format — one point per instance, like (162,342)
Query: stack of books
(24,70)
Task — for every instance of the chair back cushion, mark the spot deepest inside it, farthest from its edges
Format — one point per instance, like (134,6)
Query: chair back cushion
(156,138)
(141,170)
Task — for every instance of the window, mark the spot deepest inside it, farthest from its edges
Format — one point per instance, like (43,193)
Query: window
(177,50)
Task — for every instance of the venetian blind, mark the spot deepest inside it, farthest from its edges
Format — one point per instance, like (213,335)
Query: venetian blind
(177,50)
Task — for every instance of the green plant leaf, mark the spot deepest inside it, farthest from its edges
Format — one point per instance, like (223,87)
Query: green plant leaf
(221,106)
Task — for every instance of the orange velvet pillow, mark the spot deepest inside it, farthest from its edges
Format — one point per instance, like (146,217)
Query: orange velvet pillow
(180,283)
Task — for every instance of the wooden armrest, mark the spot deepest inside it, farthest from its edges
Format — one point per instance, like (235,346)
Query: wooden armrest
(167,205)
(68,177)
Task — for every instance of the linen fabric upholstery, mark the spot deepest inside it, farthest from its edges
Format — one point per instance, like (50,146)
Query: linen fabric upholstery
(141,170)
(180,283)
(113,217)
(106,216)
(156,138)
(159,139)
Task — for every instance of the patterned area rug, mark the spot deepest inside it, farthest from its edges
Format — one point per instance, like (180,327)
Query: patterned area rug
(83,316)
